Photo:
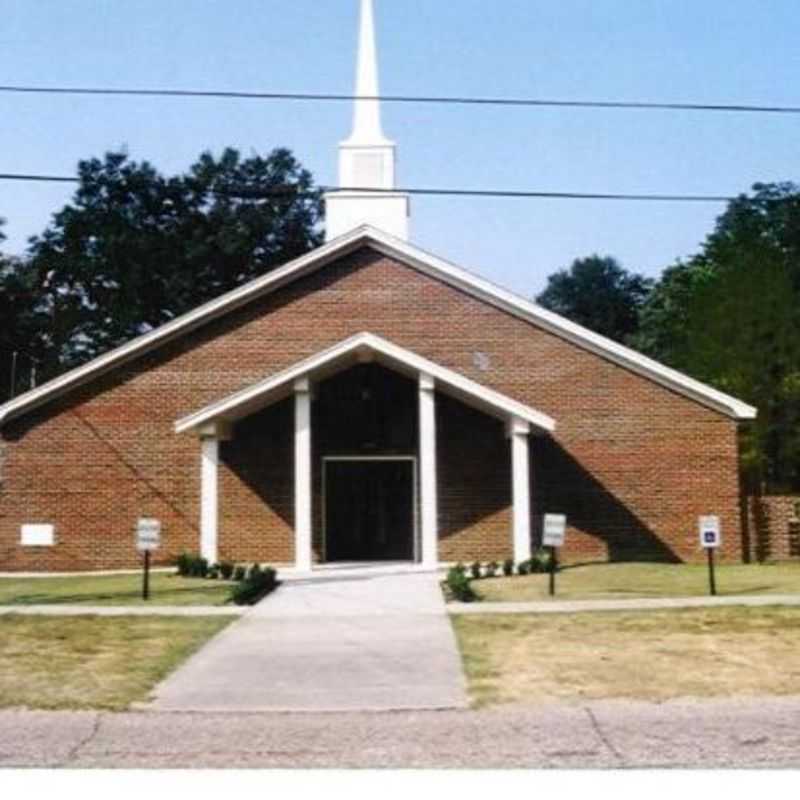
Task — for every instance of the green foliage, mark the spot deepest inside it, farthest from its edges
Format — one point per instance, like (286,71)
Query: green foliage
(226,569)
(508,567)
(541,561)
(183,564)
(598,293)
(524,568)
(459,585)
(213,572)
(134,248)
(731,317)
(475,570)
(192,565)
(492,568)
(256,586)
(239,573)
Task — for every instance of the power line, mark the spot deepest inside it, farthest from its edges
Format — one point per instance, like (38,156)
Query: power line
(430,100)
(248,193)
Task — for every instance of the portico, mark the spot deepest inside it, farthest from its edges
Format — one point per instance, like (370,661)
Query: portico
(327,387)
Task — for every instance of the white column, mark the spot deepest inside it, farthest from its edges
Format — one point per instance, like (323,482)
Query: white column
(429,497)
(209,498)
(302,475)
(520,471)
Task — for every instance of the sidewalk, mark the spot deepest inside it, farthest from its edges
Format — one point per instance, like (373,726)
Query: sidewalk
(123,611)
(642,604)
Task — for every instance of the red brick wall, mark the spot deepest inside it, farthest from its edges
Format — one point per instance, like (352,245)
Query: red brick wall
(773,527)
(632,463)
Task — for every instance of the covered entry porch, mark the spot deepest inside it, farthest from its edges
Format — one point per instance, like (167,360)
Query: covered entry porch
(365,453)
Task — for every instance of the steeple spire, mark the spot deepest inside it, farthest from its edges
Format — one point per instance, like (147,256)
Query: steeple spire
(367,159)
(367,116)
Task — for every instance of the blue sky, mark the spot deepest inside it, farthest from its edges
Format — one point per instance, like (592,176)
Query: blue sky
(723,51)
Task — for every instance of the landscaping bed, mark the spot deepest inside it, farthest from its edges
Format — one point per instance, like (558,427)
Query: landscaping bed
(632,580)
(93,662)
(656,656)
(196,584)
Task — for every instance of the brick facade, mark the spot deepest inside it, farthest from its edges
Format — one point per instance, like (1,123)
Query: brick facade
(772,527)
(632,463)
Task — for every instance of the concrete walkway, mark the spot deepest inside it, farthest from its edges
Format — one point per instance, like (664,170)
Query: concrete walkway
(124,611)
(355,640)
(641,604)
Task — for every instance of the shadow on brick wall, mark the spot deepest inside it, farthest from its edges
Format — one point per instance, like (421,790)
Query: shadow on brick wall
(562,485)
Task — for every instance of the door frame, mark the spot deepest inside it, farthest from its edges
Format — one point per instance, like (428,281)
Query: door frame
(358,459)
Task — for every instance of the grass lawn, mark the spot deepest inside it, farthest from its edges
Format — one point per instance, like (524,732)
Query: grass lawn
(619,581)
(166,589)
(641,655)
(93,662)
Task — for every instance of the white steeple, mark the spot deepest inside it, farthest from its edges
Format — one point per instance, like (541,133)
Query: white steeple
(367,159)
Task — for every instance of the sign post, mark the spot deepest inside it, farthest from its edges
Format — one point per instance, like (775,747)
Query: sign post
(711,540)
(148,540)
(554,536)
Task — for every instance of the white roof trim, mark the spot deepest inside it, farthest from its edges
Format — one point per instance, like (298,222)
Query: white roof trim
(418,259)
(446,379)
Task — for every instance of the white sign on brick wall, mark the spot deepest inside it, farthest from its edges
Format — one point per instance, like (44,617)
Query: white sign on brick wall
(38,535)
(710,533)
(555,530)
(148,535)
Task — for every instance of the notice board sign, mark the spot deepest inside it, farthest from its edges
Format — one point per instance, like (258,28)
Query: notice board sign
(148,535)
(555,530)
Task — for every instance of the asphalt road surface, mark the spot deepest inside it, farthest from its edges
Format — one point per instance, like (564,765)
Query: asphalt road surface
(691,734)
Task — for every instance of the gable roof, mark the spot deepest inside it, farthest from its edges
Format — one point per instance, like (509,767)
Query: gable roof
(417,259)
(350,352)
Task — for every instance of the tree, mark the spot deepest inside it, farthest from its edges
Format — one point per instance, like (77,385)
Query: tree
(598,293)
(134,249)
(20,340)
(731,317)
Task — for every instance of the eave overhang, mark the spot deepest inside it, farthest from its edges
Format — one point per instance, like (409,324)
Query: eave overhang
(358,349)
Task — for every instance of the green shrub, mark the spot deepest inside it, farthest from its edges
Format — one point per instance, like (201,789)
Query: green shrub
(256,586)
(508,567)
(184,563)
(541,561)
(492,569)
(524,568)
(239,573)
(459,585)
(475,571)
(200,568)
(191,565)
(226,570)
(213,572)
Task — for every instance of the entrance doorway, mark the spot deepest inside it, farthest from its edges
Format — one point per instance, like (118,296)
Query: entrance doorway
(369,509)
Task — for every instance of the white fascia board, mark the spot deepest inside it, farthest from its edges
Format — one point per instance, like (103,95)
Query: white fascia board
(186,322)
(425,263)
(562,327)
(447,378)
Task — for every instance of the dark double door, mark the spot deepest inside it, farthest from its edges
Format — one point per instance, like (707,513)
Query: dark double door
(369,508)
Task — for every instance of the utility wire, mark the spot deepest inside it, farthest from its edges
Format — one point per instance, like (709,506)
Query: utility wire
(464,101)
(289,191)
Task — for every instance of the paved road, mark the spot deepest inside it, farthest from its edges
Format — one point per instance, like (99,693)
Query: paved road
(751,733)
(352,641)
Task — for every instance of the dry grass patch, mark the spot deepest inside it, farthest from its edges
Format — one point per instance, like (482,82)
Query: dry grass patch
(620,581)
(166,589)
(638,655)
(93,662)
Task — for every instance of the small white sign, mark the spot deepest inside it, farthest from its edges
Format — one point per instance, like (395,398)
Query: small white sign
(38,535)
(710,533)
(555,530)
(148,535)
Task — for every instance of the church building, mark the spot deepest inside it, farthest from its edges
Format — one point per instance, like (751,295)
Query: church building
(369,401)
